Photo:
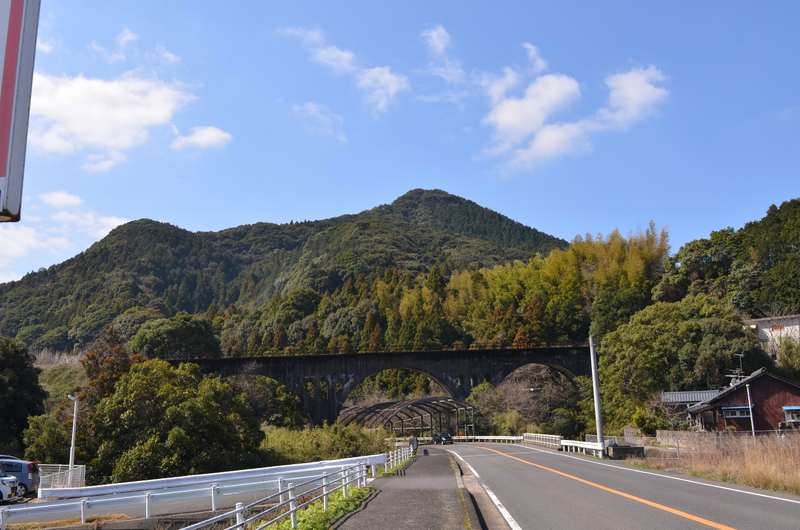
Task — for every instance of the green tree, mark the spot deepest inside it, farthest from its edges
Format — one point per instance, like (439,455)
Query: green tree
(684,345)
(789,356)
(20,393)
(180,337)
(272,403)
(164,421)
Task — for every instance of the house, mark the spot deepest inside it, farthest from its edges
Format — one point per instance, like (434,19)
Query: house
(774,403)
(771,330)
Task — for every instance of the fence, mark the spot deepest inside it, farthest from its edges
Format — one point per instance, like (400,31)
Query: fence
(168,496)
(548,440)
(298,496)
(576,446)
(60,476)
(489,439)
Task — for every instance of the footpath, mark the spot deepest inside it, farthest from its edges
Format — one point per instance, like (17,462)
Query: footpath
(428,496)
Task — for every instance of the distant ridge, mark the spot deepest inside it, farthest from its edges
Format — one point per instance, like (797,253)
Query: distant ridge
(153,264)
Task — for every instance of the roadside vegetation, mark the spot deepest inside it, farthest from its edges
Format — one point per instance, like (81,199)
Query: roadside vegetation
(291,446)
(768,462)
(315,518)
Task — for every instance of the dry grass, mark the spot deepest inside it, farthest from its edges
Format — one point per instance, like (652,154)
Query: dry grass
(768,462)
(64,523)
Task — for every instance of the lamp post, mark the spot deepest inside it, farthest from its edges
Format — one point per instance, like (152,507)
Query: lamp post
(598,411)
(74,400)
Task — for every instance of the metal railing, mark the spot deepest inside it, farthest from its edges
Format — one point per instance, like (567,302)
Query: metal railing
(548,440)
(576,446)
(297,496)
(169,496)
(61,476)
(490,439)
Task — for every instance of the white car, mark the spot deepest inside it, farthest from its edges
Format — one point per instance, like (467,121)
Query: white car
(8,488)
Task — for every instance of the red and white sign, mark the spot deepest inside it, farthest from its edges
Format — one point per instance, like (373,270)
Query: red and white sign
(19,20)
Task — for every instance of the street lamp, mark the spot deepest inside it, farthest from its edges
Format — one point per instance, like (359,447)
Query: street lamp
(74,400)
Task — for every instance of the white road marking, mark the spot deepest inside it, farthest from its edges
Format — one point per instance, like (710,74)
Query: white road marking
(512,523)
(643,472)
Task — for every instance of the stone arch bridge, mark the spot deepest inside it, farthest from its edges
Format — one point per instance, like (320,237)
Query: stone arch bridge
(323,381)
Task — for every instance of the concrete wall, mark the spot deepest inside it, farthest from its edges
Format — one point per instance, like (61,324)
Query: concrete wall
(771,330)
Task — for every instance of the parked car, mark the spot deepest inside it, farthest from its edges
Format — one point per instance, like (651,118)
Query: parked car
(25,471)
(443,438)
(8,488)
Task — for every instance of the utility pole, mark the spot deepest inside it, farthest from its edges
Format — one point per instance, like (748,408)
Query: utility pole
(74,400)
(598,411)
(750,406)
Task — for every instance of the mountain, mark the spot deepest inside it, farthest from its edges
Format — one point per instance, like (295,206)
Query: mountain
(157,265)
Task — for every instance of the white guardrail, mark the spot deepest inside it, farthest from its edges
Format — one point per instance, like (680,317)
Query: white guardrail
(577,446)
(490,439)
(552,441)
(271,509)
(167,496)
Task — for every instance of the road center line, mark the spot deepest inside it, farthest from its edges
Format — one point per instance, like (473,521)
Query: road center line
(646,502)
(651,473)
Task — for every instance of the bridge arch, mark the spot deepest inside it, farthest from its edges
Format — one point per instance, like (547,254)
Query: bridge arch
(325,380)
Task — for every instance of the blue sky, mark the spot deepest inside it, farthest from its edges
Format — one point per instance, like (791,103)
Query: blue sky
(569,117)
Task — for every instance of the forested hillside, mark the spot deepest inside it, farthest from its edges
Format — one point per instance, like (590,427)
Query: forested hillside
(147,264)
(756,268)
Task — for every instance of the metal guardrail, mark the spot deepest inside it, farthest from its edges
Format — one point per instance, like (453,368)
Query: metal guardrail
(168,496)
(577,446)
(490,439)
(548,440)
(299,496)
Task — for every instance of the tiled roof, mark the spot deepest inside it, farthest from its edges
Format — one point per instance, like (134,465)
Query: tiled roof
(688,396)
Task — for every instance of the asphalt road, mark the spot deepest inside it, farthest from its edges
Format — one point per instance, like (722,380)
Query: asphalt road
(543,489)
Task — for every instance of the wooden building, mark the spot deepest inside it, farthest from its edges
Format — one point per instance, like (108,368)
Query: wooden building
(774,404)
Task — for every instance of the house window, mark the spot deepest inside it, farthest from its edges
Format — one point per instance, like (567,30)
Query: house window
(792,414)
(736,412)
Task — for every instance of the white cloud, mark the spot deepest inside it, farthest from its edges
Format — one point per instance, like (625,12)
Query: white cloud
(167,56)
(538,64)
(109,56)
(126,37)
(380,85)
(90,223)
(337,59)
(310,36)
(42,239)
(102,162)
(496,87)
(202,138)
(44,46)
(449,70)
(319,119)
(21,240)
(633,95)
(437,39)
(515,119)
(61,199)
(70,114)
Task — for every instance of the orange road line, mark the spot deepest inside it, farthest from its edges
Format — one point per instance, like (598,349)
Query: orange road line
(646,502)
